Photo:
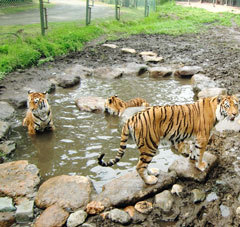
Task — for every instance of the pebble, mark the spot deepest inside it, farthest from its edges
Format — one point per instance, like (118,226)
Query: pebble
(143,207)
(6,204)
(164,200)
(177,188)
(198,195)
(119,216)
(76,218)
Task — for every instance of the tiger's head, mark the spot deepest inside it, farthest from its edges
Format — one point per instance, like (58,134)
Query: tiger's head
(114,105)
(227,107)
(37,103)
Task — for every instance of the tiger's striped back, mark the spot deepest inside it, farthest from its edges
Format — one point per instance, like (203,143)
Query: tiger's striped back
(174,123)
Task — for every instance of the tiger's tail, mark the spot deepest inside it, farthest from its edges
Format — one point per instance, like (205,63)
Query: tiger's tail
(121,151)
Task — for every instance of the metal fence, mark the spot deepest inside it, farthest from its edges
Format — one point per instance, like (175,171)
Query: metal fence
(7,3)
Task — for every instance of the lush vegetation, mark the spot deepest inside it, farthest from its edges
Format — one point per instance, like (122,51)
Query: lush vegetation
(24,46)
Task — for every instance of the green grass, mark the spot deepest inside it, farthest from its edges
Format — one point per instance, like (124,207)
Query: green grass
(30,48)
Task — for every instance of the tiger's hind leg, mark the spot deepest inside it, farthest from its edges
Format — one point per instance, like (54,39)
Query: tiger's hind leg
(145,158)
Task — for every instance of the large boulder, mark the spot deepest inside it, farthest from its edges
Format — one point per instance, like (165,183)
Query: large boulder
(201,82)
(19,179)
(130,188)
(6,111)
(90,104)
(186,168)
(160,71)
(133,69)
(71,192)
(108,72)
(211,92)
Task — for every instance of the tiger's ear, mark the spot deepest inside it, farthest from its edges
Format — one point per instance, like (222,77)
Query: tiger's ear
(219,99)
(30,91)
(110,100)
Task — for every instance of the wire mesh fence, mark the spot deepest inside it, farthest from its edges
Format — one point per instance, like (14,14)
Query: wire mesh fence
(11,3)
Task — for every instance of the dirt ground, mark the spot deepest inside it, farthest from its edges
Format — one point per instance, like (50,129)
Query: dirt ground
(217,51)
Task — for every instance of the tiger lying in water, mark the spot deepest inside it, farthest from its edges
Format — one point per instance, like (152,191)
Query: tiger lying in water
(174,123)
(116,106)
(39,115)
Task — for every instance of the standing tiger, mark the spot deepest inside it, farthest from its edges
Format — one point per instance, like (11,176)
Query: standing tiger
(39,115)
(116,106)
(174,123)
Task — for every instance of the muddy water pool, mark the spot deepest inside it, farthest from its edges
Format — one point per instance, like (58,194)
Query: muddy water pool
(81,136)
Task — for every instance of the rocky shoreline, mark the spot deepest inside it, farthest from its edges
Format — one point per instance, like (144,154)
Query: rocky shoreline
(183,196)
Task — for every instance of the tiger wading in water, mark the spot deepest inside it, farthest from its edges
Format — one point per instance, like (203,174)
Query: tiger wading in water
(116,106)
(39,116)
(174,123)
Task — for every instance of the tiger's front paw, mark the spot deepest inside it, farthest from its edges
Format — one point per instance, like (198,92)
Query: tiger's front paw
(202,166)
(151,180)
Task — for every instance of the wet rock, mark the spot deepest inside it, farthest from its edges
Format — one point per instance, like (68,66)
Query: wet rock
(108,72)
(198,195)
(177,188)
(18,179)
(67,81)
(187,71)
(90,104)
(94,207)
(4,129)
(201,82)
(164,200)
(144,207)
(18,98)
(211,92)
(51,217)
(41,86)
(76,218)
(185,168)
(6,204)
(160,72)
(113,46)
(24,211)
(128,50)
(130,188)
(72,192)
(147,53)
(133,69)
(7,147)
(119,216)
(7,219)
(6,111)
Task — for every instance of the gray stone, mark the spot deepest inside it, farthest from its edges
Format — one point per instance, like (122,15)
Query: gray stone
(238,211)
(6,111)
(76,218)
(160,72)
(108,72)
(201,82)
(7,147)
(18,179)
(24,211)
(90,104)
(6,204)
(211,92)
(119,216)
(7,219)
(72,192)
(133,69)
(176,188)
(211,197)
(4,129)
(130,188)
(186,168)
(187,71)
(164,200)
(153,59)
(198,195)
(67,81)
(41,86)
(225,211)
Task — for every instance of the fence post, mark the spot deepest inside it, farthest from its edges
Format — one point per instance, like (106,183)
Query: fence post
(42,17)
(146,12)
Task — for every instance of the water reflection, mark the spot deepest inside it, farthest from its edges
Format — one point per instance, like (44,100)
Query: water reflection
(80,136)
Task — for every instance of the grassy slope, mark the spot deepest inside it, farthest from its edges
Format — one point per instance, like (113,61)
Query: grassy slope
(31,48)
